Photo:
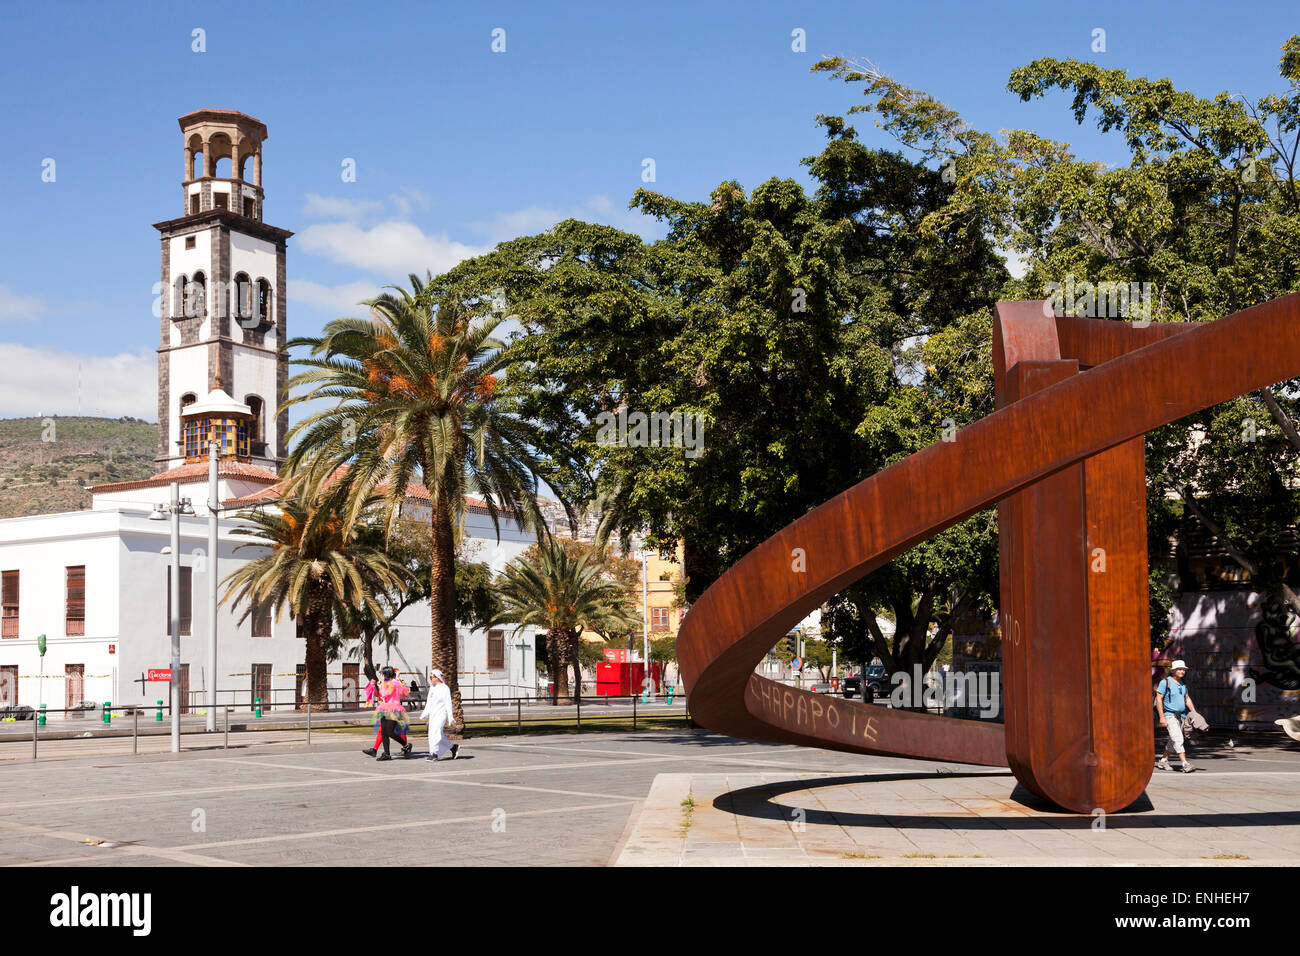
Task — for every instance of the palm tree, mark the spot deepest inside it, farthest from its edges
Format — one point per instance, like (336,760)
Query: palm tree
(417,400)
(563,592)
(318,567)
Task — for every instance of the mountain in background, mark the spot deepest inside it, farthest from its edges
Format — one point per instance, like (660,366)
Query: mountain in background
(46,463)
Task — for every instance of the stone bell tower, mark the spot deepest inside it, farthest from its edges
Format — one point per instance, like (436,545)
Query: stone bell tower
(223,292)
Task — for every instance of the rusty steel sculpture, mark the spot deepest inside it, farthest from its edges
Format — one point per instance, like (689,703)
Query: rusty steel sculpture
(1062,457)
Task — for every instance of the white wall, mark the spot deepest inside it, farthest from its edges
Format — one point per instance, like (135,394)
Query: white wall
(126,609)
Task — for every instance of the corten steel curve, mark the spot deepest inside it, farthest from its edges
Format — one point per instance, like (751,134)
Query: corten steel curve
(1062,457)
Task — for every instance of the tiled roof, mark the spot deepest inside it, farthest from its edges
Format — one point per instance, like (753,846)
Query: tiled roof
(413,490)
(195,471)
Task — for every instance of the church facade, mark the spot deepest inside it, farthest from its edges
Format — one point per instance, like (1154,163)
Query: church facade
(96,584)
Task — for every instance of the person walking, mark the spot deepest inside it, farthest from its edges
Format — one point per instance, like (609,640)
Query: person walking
(439,712)
(1173,706)
(391,722)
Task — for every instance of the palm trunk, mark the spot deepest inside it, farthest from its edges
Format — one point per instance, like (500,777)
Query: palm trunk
(442,603)
(574,638)
(319,621)
(557,647)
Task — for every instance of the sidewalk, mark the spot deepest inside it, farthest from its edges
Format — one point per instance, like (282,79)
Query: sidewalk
(966,817)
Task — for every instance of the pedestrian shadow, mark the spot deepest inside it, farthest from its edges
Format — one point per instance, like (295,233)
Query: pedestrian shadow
(760,802)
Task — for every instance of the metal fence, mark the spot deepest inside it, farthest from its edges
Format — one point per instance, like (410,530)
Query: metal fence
(628,712)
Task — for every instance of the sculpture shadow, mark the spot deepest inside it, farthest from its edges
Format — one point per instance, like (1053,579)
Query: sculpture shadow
(759,802)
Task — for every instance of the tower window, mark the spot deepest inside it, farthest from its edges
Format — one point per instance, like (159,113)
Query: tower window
(243,297)
(263,302)
(256,437)
(220,200)
(194,204)
(196,296)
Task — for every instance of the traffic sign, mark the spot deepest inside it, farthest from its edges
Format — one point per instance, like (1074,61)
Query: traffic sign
(797,663)
(164,674)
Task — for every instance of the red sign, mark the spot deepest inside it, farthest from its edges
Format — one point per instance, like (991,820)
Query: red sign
(112,648)
(163,675)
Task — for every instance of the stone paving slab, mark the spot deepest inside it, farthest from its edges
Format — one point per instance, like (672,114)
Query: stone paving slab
(979,818)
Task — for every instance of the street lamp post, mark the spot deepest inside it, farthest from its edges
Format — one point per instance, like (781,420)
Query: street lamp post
(174,512)
(213,504)
(174,583)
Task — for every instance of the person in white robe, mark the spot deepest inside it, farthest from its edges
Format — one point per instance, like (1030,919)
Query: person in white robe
(439,713)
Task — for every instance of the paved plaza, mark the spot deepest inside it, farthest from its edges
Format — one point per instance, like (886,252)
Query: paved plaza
(602,798)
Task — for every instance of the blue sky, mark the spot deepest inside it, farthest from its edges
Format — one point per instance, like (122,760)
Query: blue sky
(458,147)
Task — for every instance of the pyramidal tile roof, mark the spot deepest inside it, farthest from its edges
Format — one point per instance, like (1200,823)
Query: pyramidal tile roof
(193,472)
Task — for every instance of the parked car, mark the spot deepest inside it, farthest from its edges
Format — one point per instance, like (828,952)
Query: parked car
(877,682)
(20,712)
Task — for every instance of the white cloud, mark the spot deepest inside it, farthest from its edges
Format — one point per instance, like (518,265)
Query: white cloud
(388,248)
(337,299)
(535,219)
(15,306)
(44,381)
(337,207)
(408,198)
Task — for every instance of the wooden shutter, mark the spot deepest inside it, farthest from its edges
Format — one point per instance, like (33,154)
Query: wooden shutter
(74,622)
(9,600)
(496,651)
(261,619)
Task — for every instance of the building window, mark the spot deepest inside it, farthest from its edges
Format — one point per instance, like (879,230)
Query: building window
(9,605)
(220,200)
(190,241)
(194,205)
(243,296)
(496,651)
(659,619)
(187,600)
(256,438)
(249,209)
(261,618)
(196,294)
(263,302)
(74,614)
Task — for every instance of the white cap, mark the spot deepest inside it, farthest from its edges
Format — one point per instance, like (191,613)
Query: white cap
(1178,664)
(436,673)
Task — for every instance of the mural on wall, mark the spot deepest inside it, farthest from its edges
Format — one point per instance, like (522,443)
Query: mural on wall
(1277,648)
(1243,659)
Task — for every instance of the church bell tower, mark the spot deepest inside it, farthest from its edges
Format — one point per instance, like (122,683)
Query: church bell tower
(221,358)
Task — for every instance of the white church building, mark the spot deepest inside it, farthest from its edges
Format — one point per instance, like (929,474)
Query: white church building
(95,584)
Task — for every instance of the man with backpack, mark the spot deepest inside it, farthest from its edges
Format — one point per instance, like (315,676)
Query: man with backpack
(1173,707)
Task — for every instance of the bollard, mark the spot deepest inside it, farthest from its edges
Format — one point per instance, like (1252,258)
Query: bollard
(257,706)
(226,744)
(41,719)
(158,718)
(135,730)
(519,716)
(308,723)
(108,711)
(670,694)
(578,700)
(634,712)
(35,724)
